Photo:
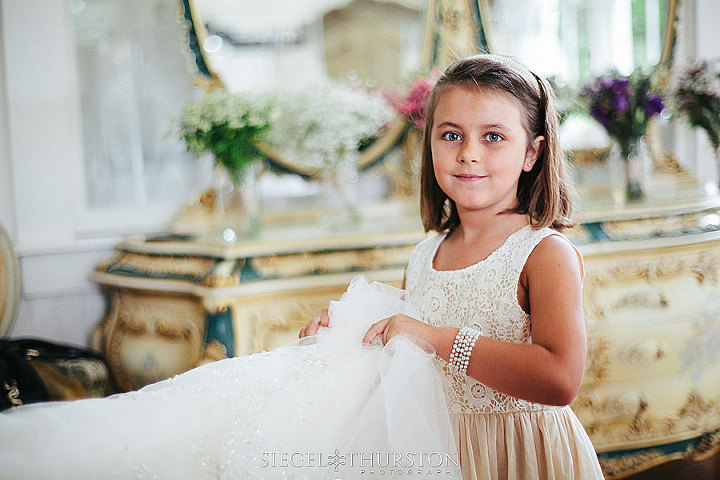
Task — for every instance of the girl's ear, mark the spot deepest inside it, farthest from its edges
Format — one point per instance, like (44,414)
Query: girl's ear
(533,152)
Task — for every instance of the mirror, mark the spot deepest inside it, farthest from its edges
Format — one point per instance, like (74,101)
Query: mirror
(246,45)
(573,41)
(380,43)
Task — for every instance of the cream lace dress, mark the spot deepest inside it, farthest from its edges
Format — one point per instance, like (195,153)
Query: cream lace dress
(499,436)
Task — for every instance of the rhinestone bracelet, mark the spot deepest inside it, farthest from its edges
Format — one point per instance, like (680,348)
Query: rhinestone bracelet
(462,349)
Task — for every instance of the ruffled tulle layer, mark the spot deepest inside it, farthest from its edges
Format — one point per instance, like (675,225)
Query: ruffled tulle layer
(531,445)
(323,407)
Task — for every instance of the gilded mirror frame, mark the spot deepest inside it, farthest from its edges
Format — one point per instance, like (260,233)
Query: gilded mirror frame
(452,28)
(9,284)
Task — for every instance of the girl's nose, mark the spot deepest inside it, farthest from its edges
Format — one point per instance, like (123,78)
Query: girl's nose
(469,154)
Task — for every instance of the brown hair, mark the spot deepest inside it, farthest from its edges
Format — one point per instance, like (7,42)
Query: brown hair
(543,193)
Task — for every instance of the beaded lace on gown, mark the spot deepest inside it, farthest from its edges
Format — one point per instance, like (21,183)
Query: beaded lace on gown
(326,406)
(499,436)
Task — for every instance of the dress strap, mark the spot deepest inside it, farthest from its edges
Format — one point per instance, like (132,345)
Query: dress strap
(533,239)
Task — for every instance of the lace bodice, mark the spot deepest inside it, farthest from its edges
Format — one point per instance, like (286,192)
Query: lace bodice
(482,295)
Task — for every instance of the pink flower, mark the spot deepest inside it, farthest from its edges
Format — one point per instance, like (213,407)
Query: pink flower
(413,104)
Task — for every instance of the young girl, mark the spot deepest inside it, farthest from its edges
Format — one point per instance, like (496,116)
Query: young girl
(499,290)
(331,407)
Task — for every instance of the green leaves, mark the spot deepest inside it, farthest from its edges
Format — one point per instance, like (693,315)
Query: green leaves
(229,126)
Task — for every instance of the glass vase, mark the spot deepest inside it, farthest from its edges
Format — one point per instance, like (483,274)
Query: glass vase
(715,189)
(629,165)
(236,204)
(339,184)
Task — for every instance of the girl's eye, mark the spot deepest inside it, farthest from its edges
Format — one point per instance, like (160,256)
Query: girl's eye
(451,136)
(493,137)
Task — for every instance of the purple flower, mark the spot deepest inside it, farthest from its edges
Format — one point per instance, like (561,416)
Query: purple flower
(654,105)
(622,104)
(605,82)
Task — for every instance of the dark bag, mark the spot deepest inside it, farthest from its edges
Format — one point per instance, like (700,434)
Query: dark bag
(33,370)
(19,381)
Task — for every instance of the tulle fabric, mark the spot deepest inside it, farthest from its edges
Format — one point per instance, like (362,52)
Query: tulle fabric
(323,407)
(527,445)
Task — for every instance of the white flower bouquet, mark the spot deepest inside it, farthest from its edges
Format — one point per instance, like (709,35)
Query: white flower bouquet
(323,126)
(230,126)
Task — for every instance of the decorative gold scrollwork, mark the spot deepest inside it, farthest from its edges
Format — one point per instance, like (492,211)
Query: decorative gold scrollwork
(628,418)
(456,32)
(705,268)
(641,299)
(645,351)
(143,323)
(187,332)
(598,359)
(645,280)
(128,324)
(163,264)
(306,263)
(217,280)
(697,411)
(631,271)
(619,466)
(215,305)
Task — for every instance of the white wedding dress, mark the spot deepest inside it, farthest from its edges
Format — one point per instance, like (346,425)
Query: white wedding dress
(326,406)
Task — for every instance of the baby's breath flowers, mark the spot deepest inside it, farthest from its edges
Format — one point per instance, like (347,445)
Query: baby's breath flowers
(230,126)
(323,126)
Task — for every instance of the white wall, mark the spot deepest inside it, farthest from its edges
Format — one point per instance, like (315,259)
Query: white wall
(41,203)
(41,155)
(7,206)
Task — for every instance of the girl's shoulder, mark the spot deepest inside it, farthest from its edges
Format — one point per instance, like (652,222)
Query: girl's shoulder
(553,250)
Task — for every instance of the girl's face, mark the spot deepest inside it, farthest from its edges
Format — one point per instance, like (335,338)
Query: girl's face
(479,148)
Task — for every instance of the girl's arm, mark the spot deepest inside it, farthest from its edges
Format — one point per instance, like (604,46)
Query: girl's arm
(548,371)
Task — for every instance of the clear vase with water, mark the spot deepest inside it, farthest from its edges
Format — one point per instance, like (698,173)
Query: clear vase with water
(237,209)
(629,166)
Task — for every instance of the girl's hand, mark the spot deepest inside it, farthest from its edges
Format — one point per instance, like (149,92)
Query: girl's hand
(396,325)
(313,325)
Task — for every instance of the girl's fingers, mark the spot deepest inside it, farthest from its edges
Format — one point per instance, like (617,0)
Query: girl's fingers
(325,317)
(310,328)
(375,330)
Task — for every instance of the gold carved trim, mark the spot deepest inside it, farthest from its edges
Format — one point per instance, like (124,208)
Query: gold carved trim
(646,268)
(455,32)
(631,427)
(306,263)
(216,305)
(598,359)
(142,263)
(630,464)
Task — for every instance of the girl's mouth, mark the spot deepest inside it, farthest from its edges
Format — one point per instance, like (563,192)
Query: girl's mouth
(466,177)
